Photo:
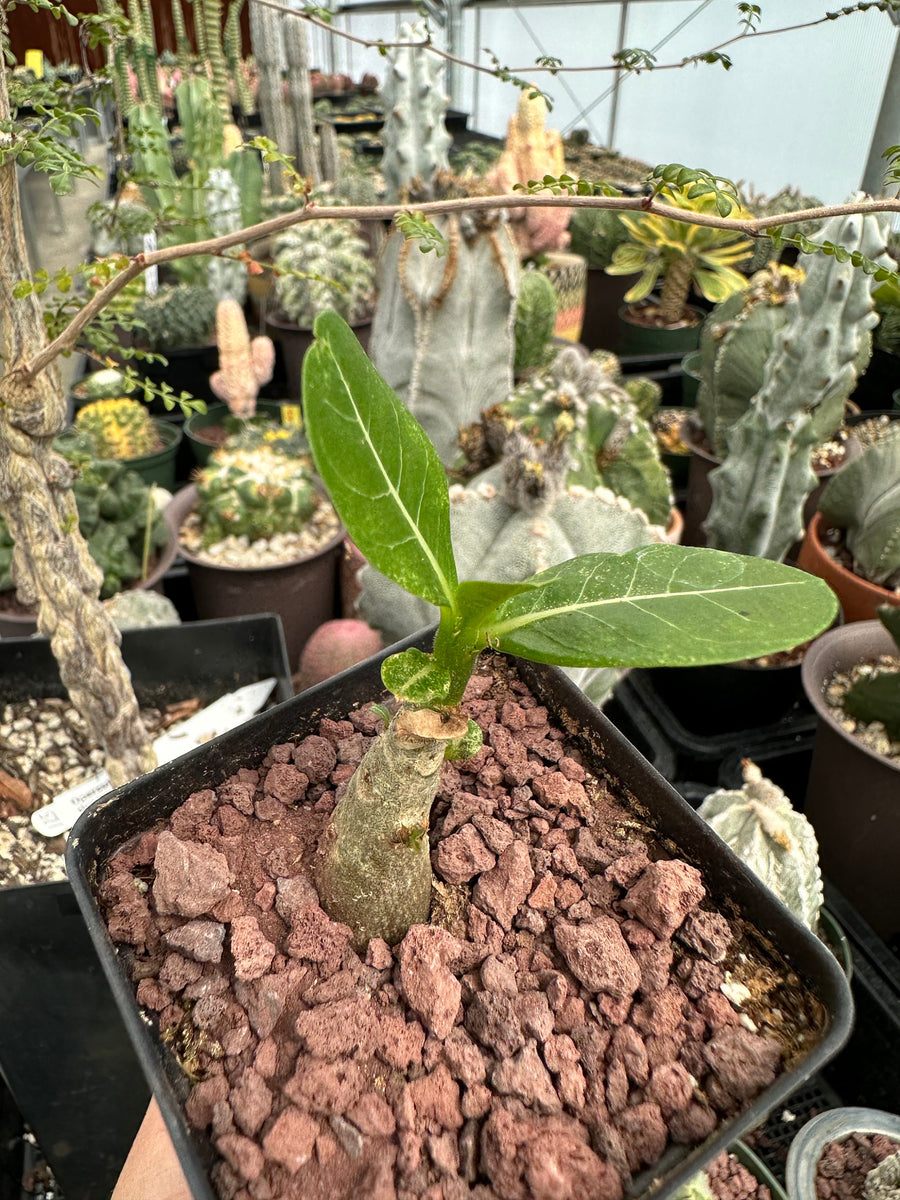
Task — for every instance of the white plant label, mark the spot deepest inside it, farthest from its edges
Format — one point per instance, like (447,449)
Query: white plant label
(223,714)
(151,275)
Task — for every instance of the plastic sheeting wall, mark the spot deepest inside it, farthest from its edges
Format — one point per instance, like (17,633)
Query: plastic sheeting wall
(796,108)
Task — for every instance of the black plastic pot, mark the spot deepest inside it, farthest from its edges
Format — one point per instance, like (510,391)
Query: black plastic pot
(186,370)
(215,415)
(605,296)
(141,805)
(293,342)
(853,798)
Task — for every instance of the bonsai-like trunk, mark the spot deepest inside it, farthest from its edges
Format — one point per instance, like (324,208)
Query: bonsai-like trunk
(675,290)
(375,873)
(51,564)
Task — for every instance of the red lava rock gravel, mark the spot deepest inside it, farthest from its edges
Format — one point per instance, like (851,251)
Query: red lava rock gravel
(729,1179)
(843,1166)
(556,1028)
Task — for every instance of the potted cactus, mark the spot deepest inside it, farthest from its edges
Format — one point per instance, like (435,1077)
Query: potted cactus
(818,1164)
(123,429)
(318,265)
(595,233)
(853,541)
(338,1057)
(259,535)
(536,307)
(682,257)
(852,679)
(178,323)
(128,538)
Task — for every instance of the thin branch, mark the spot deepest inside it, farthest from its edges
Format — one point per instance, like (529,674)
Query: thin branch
(535,68)
(753,227)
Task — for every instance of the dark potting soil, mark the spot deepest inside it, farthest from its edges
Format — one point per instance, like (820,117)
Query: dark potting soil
(843,1166)
(211,435)
(729,1179)
(559,1023)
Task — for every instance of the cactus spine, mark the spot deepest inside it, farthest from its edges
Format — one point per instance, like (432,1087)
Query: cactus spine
(183,52)
(244,365)
(231,39)
(415,138)
(253,494)
(760,489)
(226,277)
(120,428)
(323,264)
(761,826)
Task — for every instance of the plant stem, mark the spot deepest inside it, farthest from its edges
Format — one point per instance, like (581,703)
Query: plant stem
(375,875)
(675,290)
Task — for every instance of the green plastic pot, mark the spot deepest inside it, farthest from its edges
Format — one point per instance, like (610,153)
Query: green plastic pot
(159,467)
(637,341)
(216,414)
(690,378)
(758,1169)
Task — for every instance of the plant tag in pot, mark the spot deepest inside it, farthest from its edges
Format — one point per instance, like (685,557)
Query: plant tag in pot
(223,714)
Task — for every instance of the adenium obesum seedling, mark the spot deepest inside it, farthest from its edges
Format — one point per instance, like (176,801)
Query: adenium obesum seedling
(656,606)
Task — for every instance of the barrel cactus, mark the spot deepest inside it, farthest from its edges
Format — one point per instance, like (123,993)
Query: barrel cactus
(120,428)
(323,264)
(253,494)
(177,317)
(514,519)
(763,829)
(608,443)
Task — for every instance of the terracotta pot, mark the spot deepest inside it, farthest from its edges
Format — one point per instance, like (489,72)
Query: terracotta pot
(302,592)
(853,796)
(699,489)
(859,598)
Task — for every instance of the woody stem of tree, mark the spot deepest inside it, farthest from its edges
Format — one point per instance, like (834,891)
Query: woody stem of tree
(51,564)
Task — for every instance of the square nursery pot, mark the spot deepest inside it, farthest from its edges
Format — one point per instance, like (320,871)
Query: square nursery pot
(809,971)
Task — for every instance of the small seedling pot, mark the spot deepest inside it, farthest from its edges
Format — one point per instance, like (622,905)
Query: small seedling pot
(158,467)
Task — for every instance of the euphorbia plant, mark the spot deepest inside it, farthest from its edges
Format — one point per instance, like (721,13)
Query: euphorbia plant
(659,605)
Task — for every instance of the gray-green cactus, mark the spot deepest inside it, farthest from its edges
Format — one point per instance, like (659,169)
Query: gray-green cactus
(415,138)
(595,234)
(442,335)
(736,340)
(863,499)
(536,309)
(296,47)
(266,26)
(323,264)
(176,317)
(789,199)
(226,277)
(761,487)
(511,521)
(607,441)
(777,843)
(253,494)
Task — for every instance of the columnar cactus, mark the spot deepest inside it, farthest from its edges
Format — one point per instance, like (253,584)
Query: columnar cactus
(531,152)
(761,826)
(226,277)
(231,40)
(760,489)
(244,365)
(536,308)
(296,46)
(253,494)
(608,443)
(736,340)
(415,138)
(211,19)
(323,264)
(509,522)
(120,428)
(442,335)
(277,117)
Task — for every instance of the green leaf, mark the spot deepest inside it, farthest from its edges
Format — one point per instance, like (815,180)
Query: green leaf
(415,678)
(383,474)
(477,599)
(662,606)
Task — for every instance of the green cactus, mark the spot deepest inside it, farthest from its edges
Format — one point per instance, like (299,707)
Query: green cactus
(253,494)
(114,505)
(736,340)
(595,234)
(777,843)
(231,39)
(512,520)
(760,489)
(442,335)
(210,16)
(875,695)
(609,444)
(226,277)
(415,138)
(645,394)
(536,309)
(323,264)
(177,317)
(266,33)
(296,46)
(120,428)
(863,499)
(887,333)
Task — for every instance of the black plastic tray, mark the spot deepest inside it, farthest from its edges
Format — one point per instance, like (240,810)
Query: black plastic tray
(142,804)
(167,663)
